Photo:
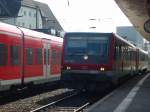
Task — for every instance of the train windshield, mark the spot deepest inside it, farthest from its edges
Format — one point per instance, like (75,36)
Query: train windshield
(86,49)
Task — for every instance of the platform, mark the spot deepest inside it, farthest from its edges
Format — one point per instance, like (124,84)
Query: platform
(133,96)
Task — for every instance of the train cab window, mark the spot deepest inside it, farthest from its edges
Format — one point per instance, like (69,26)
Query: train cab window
(14,55)
(3,54)
(39,56)
(29,56)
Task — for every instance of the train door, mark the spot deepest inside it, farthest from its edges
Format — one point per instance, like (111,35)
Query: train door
(46,68)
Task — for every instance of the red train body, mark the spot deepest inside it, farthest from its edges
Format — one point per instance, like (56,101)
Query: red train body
(91,59)
(28,57)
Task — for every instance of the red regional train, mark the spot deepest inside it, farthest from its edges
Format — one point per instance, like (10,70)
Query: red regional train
(92,59)
(28,57)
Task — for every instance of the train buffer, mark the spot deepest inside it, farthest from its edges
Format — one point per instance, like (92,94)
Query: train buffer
(133,96)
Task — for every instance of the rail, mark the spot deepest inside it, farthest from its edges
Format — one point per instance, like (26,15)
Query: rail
(82,107)
(52,103)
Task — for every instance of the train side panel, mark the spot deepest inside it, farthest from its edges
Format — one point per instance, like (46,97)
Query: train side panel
(43,52)
(143,60)
(33,66)
(124,58)
(23,57)
(10,57)
(56,49)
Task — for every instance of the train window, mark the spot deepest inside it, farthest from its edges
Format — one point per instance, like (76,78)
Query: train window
(39,56)
(3,54)
(29,56)
(143,57)
(132,55)
(54,57)
(77,42)
(59,57)
(48,56)
(45,56)
(100,46)
(118,50)
(14,55)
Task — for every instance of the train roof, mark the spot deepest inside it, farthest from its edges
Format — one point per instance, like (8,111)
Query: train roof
(17,30)
(143,51)
(9,28)
(96,33)
(86,33)
(125,41)
(140,49)
(32,33)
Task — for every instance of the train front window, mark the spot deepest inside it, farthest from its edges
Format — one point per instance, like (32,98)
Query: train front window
(98,46)
(76,46)
(95,48)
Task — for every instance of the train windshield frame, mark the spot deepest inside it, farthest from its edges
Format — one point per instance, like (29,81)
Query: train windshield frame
(86,49)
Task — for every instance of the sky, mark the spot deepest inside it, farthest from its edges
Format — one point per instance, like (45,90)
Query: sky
(83,15)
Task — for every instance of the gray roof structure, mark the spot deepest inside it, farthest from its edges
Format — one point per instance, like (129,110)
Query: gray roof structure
(29,3)
(49,20)
(48,15)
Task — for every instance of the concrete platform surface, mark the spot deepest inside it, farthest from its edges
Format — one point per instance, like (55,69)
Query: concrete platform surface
(133,96)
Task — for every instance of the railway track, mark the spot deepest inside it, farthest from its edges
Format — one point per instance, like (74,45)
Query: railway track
(75,102)
(49,105)
(27,104)
(61,100)
(72,109)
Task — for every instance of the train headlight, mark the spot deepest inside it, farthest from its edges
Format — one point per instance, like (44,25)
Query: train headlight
(102,69)
(85,57)
(68,68)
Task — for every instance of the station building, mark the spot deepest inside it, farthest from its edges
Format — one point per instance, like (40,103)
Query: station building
(35,15)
